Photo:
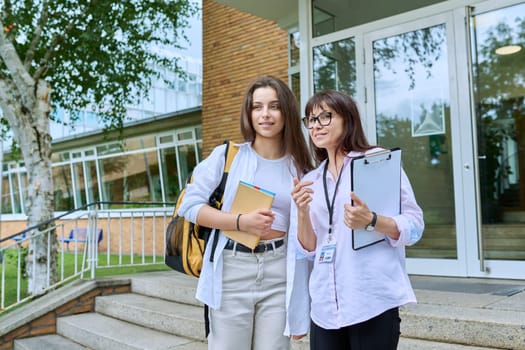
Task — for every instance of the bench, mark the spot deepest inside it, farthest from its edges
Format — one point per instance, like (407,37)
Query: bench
(20,238)
(79,234)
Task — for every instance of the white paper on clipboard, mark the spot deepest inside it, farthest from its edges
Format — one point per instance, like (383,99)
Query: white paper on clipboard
(376,179)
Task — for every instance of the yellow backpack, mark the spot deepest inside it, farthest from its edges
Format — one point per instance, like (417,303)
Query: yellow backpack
(185,240)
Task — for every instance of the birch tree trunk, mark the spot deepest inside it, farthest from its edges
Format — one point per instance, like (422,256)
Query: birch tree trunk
(26,106)
(30,127)
(41,263)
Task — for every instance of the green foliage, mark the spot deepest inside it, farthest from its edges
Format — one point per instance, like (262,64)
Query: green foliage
(12,277)
(101,54)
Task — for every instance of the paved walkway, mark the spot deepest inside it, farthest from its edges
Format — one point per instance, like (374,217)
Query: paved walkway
(493,294)
(486,312)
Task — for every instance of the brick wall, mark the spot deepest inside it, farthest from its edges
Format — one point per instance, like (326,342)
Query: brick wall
(237,47)
(152,229)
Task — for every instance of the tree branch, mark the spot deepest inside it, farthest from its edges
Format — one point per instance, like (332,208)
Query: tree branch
(57,39)
(37,35)
(19,74)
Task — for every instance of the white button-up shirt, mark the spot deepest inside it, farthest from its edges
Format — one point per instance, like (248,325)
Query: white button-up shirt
(359,284)
(206,177)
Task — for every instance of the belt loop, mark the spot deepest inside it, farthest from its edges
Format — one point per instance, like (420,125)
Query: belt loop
(273,246)
(234,250)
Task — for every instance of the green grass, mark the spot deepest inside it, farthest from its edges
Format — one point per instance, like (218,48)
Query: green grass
(10,260)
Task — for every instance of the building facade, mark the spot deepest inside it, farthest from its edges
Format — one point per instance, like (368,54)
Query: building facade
(442,80)
(148,162)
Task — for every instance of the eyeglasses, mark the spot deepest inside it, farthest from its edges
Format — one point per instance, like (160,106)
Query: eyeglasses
(324,118)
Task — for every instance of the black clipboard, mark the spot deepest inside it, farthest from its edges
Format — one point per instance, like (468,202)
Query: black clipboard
(376,179)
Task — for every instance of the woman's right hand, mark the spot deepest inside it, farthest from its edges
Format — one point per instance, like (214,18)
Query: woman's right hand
(302,194)
(258,222)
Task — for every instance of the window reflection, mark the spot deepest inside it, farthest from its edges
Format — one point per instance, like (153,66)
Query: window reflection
(187,161)
(500,108)
(170,173)
(6,195)
(293,45)
(413,112)
(92,192)
(130,178)
(334,66)
(79,183)
(63,184)
(498,53)
(16,181)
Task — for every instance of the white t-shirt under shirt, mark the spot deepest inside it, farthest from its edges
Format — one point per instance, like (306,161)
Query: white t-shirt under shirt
(274,175)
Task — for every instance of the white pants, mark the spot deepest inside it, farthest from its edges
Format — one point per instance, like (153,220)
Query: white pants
(253,313)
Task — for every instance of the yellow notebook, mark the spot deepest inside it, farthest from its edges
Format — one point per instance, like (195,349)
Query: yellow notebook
(247,199)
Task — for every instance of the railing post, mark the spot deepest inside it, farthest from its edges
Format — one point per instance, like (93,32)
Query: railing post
(91,241)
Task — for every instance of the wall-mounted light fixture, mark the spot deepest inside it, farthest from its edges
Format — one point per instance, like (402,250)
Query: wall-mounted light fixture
(508,50)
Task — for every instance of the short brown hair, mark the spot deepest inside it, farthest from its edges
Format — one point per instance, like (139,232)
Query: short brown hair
(353,138)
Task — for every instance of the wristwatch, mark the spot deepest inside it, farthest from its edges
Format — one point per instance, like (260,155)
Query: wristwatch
(372,225)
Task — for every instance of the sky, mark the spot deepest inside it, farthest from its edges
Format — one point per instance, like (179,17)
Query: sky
(193,48)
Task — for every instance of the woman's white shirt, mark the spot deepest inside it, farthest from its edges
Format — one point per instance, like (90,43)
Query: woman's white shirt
(206,177)
(359,284)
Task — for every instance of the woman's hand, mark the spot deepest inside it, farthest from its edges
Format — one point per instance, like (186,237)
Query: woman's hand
(357,216)
(258,222)
(298,337)
(302,195)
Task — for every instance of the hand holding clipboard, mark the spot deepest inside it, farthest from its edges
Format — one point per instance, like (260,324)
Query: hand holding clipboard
(376,180)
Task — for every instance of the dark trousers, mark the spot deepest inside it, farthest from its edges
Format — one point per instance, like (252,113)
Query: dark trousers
(378,333)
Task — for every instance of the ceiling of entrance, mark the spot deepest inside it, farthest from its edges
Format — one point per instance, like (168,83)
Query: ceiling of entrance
(284,12)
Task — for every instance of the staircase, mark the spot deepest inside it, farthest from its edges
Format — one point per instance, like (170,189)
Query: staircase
(161,313)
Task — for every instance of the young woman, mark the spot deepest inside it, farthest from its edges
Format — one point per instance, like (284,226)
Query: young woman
(355,293)
(257,298)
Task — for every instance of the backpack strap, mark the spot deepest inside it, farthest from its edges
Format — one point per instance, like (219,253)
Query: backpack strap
(218,194)
(231,151)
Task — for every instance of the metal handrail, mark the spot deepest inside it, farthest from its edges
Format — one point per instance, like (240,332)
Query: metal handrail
(138,231)
(82,208)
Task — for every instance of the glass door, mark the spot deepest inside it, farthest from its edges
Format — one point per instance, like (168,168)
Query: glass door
(412,104)
(497,37)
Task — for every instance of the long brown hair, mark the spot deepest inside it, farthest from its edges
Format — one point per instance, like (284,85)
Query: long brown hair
(293,142)
(353,138)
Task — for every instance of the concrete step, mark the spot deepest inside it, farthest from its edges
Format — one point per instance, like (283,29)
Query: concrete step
(167,285)
(473,326)
(163,315)
(57,342)
(418,344)
(47,342)
(100,332)
(441,319)
(187,321)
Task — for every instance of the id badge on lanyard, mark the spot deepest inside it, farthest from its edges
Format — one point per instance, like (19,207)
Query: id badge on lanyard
(327,253)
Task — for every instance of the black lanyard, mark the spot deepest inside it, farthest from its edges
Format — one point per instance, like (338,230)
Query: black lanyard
(329,205)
